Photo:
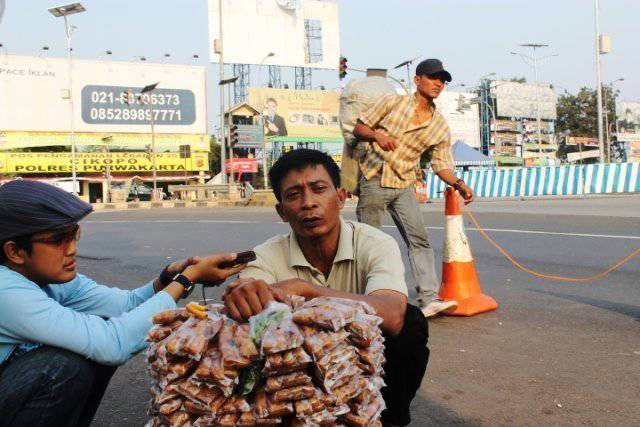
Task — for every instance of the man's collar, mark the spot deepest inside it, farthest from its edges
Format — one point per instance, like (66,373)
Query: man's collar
(344,252)
(415,101)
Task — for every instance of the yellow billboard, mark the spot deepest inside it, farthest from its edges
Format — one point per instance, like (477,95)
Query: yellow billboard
(21,139)
(297,113)
(49,163)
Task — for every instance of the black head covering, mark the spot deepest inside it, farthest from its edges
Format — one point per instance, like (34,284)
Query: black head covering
(28,207)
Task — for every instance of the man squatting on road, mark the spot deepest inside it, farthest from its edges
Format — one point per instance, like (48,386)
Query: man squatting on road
(399,130)
(62,334)
(325,255)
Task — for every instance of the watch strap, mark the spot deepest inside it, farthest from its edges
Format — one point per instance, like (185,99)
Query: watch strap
(185,282)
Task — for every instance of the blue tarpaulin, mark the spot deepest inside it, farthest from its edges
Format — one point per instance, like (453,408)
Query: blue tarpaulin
(464,155)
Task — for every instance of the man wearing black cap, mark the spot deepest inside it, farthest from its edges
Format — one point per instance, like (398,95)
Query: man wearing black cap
(399,130)
(62,334)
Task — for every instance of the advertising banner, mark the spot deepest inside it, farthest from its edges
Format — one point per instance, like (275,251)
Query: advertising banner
(582,140)
(628,114)
(48,163)
(521,100)
(250,136)
(297,113)
(242,165)
(24,139)
(301,33)
(632,149)
(35,96)
(464,123)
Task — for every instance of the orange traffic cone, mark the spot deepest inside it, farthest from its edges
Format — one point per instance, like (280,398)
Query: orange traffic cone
(459,278)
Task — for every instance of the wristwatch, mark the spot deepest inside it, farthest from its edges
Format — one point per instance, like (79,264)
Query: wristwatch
(185,282)
(458,183)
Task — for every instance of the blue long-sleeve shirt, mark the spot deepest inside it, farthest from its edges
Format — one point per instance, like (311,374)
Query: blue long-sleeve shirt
(106,325)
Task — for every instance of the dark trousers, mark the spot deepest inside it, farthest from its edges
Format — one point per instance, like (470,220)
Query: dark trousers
(51,387)
(407,356)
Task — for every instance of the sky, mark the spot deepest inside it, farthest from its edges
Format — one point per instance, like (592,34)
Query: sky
(472,37)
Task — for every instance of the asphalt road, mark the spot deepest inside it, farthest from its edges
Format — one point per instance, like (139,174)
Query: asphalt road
(554,353)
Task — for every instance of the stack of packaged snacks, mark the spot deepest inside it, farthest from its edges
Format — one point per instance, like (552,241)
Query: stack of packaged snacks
(318,364)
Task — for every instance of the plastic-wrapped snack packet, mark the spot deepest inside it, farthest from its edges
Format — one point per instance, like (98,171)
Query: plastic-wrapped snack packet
(273,314)
(350,390)
(318,342)
(293,379)
(192,338)
(245,343)
(196,408)
(261,404)
(170,406)
(179,368)
(211,368)
(371,360)
(194,390)
(339,355)
(176,419)
(364,329)
(231,355)
(227,420)
(247,419)
(294,393)
(369,406)
(329,315)
(365,414)
(309,406)
(158,333)
(168,316)
(204,421)
(281,337)
(286,362)
(234,405)
(296,301)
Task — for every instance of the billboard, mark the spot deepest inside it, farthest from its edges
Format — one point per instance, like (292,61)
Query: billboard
(299,33)
(519,100)
(464,123)
(48,163)
(297,113)
(35,97)
(628,114)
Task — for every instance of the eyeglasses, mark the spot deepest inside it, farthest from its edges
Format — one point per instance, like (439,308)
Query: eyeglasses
(64,236)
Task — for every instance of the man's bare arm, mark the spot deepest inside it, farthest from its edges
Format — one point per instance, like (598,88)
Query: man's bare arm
(365,133)
(450,178)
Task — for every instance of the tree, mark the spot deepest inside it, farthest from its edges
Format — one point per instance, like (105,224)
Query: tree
(518,79)
(214,155)
(578,113)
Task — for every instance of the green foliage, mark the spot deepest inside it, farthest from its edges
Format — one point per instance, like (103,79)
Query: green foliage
(518,79)
(578,113)
(214,155)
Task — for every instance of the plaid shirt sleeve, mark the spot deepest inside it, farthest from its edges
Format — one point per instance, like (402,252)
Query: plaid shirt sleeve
(441,157)
(374,114)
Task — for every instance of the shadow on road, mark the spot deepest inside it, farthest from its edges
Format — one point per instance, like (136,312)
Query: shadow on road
(426,412)
(632,311)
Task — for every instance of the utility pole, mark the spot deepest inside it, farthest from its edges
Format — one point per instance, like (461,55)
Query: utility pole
(599,81)
(407,64)
(218,48)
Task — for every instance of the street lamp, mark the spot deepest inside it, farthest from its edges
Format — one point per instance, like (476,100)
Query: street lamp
(141,100)
(269,55)
(65,11)
(533,62)
(407,64)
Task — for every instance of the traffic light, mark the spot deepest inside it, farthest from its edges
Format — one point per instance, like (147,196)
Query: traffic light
(342,68)
(233,135)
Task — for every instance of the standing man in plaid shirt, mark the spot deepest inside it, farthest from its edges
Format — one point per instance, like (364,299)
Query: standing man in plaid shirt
(399,129)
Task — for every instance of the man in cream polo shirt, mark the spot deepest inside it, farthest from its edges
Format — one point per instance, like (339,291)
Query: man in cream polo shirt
(326,255)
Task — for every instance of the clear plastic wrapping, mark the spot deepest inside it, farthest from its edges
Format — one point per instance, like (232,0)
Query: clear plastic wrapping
(293,379)
(286,362)
(282,336)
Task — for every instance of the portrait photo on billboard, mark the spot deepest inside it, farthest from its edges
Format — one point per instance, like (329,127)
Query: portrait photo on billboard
(274,124)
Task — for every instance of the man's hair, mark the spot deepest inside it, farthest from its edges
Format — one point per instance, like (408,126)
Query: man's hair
(22,242)
(298,160)
(271,100)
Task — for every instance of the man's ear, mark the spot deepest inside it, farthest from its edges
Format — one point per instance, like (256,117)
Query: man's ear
(342,196)
(283,217)
(13,254)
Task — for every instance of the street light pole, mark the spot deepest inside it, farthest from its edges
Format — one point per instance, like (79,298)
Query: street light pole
(219,50)
(534,63)
(65,11)
(599,81)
